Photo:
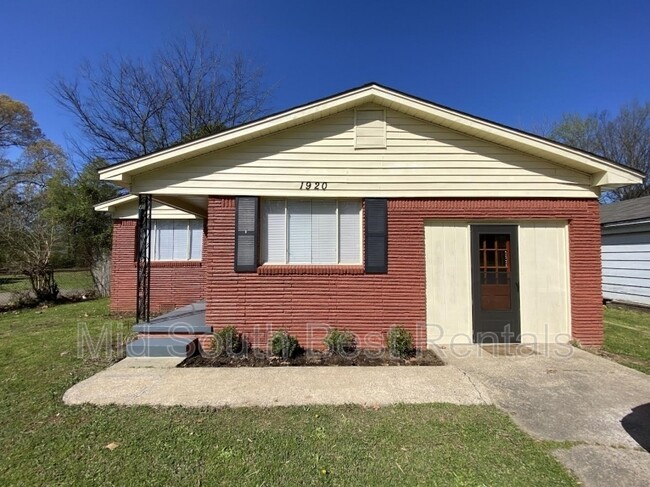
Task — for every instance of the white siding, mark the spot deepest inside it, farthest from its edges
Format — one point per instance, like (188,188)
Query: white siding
(626,266)
(420,160)
(544,282)
(448,284)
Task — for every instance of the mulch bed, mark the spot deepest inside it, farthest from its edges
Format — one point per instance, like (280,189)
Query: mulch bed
(259,358)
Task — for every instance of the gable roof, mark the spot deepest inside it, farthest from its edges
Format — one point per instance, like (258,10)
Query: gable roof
(606,173)
(626,211)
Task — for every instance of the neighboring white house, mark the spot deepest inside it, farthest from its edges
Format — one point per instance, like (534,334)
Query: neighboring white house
(625,230)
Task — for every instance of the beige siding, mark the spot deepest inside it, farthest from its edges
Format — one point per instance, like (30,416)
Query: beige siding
(420,160)
(370,128)
(544,282)
(159,211)
(448,289)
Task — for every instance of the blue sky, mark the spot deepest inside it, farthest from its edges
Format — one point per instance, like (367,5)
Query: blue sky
(515,62)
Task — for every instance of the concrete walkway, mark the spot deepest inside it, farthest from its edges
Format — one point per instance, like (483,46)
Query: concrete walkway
(157,382)
(579,398)
(557,393)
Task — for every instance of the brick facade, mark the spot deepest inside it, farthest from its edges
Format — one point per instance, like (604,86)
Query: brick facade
(173,284)
(306,299)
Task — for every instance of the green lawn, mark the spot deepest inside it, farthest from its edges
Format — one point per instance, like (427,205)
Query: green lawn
(627,337)
(44,442)
(10,283)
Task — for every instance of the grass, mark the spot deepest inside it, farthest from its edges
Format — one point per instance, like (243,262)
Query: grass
(77,279)
(627,337)
(44,442)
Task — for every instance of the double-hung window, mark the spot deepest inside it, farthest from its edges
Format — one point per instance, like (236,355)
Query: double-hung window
(177,239)
(311,231)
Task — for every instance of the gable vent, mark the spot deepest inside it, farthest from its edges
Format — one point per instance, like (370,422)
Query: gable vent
(370,129)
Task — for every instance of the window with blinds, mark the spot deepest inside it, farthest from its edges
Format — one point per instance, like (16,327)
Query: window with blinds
(177,239)
(316,231)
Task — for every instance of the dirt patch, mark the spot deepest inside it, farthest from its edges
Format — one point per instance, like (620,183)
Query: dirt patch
(365,358)
(509,350)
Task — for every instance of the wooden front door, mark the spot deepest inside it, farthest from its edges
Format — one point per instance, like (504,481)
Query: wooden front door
(495,284)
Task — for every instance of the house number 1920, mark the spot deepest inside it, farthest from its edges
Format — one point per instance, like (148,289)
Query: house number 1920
(320,185)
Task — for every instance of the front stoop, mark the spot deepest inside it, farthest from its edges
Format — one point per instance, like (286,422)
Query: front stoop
(178,333)
(162,347)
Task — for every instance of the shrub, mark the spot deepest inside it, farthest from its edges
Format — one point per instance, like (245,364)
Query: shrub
(284,345)
(400,342)
(340,341)
(227,341)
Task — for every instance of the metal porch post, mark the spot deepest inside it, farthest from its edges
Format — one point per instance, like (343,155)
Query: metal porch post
(144,258)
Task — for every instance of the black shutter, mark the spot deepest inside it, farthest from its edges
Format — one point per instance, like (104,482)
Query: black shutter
(246,234)
(376,212)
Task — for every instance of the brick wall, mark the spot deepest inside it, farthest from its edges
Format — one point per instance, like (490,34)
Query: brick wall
(306,299)
(173,283)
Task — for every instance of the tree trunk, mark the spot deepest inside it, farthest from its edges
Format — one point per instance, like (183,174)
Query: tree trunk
(43,284)
(100,270)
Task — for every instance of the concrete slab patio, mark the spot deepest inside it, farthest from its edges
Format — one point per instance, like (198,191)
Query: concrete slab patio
(157,382)
(562,393)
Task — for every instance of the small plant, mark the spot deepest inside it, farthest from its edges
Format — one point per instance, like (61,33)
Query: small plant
(227,341)
(400,342)
(340,341)
(284,345)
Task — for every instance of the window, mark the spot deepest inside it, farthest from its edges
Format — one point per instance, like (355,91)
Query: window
(318,231)
(177,239)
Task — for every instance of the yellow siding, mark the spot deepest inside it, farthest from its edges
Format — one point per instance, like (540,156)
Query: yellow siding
(448,290)
(420,160)
(544,282)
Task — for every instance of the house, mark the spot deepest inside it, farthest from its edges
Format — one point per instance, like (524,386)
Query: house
(364,210)
(625,228)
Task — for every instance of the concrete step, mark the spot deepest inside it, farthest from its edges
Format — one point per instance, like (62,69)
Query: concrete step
(162,347)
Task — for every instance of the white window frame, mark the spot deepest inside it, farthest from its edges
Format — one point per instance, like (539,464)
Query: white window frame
(264,236)
(188,253)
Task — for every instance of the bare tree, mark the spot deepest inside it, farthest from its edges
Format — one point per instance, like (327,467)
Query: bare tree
(29,233)
(624,138)
(126,108)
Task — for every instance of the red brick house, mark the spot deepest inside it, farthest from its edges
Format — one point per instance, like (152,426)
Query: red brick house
(365,210)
